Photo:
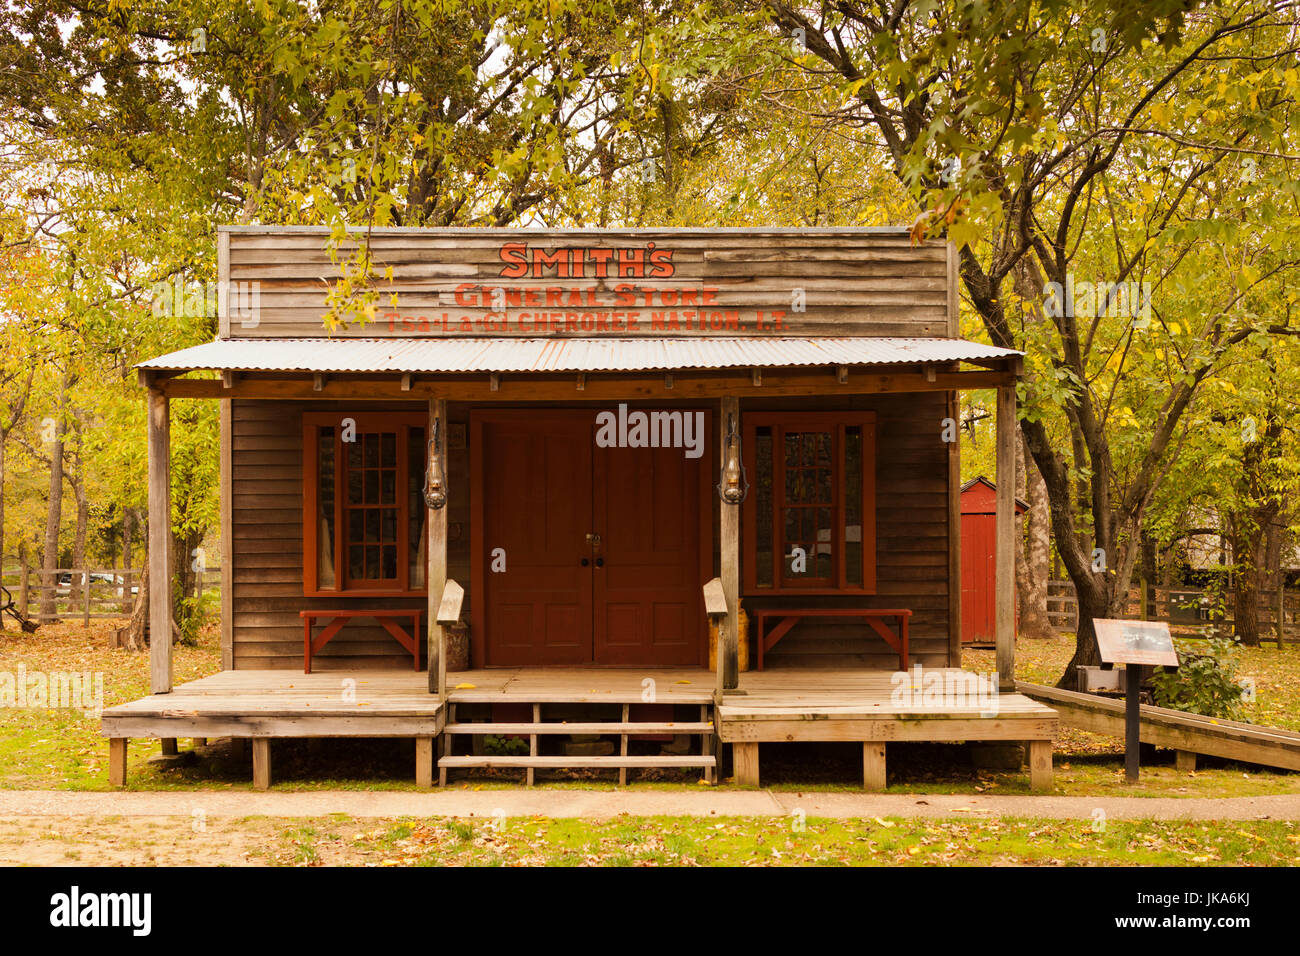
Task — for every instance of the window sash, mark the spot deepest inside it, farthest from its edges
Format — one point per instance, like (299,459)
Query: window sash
(399,424)
(835,580)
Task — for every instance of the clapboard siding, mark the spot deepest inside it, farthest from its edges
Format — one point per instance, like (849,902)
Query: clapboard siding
(266,546)
(852,282)
(911,541)
(911,545)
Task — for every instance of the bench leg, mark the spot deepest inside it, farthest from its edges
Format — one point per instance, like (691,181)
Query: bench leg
(200,742)
(745,758)
(1040,764)
(262,763)
(117,761)
(873,766)
(424,762)
(1185,761)
(168,746)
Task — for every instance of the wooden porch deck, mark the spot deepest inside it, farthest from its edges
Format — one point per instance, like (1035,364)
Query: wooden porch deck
(773,705)
(862,706)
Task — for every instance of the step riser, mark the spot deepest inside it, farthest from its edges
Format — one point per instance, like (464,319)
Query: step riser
(524,730)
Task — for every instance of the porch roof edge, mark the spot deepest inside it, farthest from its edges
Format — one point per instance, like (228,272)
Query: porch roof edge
(512,355)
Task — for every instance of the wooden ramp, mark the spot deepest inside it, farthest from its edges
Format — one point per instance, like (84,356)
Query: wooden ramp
(538,699)
(1189,734)
(875,708)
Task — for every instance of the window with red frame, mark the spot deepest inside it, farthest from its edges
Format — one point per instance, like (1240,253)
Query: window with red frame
(810,516)
(363,505)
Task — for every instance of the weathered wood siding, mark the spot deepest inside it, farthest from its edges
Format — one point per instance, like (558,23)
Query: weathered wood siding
(266,560)
(722,282)
(266,545)
(911,545)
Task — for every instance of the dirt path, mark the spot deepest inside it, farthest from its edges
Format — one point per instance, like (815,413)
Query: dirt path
(603,805)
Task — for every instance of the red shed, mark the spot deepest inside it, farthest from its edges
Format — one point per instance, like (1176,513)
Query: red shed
(978,553)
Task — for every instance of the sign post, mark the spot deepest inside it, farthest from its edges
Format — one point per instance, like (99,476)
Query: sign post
(1134,644)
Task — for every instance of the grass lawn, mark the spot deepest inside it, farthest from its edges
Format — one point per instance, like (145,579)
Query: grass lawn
(62,749)
(642,841)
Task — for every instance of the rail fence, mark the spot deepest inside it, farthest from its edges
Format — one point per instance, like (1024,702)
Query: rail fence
(84,594)
(1187,610)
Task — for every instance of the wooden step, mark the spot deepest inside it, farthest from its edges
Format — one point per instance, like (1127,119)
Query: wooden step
(610,727)
(560,763)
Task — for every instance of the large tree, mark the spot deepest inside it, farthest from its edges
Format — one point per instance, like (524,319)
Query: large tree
(1087,146)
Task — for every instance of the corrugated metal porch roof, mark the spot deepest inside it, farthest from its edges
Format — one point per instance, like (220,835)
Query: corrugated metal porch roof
(416,355)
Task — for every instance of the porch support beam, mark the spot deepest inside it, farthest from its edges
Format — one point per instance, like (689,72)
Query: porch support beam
(160,523)
(436,576)
(1005,586)
(599,386)
(227,504)
(728,656)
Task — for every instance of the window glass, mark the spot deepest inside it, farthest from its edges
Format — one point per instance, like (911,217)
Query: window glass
(325,509)
(372,517)
(416,546)
(365,503)
(853,505)
(809,518)
(809,499)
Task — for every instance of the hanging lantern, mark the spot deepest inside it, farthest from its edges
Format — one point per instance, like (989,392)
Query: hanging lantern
(435,484)
(734,485)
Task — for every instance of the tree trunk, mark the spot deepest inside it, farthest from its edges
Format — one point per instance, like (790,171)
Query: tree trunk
(132,637)
(1250,546)
(53,517)
(1033,570)
(128,521)
(81,577)
(184,582)
(1093,603)
(1149,574)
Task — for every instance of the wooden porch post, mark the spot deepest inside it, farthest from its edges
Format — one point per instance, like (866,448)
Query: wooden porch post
(1005,587)
(728,656)
(160,524)
(436,574)
(227,536)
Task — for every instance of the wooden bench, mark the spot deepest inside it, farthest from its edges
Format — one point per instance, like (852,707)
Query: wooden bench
(875,617)
(335,619)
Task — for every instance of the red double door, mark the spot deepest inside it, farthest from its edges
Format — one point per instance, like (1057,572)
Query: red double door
(585,554)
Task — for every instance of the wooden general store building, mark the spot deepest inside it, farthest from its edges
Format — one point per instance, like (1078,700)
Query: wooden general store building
(581,448)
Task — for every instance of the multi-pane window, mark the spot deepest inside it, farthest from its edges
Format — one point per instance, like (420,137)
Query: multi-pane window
(363,511)
(809,522)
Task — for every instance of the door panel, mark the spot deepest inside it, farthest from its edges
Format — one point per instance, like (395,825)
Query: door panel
(543,487)
(535,476)
(648,604)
